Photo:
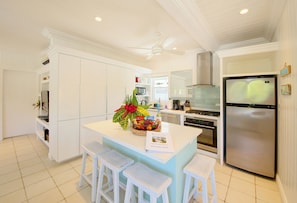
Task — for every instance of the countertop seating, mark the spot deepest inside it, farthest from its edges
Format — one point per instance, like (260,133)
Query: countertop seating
(200,168)
(114,163)
(146,180)
(94,150)
(134,146)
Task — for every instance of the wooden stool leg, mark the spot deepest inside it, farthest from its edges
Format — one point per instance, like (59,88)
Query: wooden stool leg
(165,197)
(116,187)
(213,186)
(140,195)
(100,183)
(128,193)
(187,189)
(83,167)
(204,191)
(94,178)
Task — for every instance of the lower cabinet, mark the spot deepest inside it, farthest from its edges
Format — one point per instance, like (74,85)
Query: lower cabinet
(171,118)
(68,139)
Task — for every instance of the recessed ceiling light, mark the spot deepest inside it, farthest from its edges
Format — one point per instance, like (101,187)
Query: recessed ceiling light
(174,48)
(244,11)
(98,19)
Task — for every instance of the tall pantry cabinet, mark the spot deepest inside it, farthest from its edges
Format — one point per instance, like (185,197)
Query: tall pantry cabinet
(82,90)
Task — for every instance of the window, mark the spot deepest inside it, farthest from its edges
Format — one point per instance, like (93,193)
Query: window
(160,89)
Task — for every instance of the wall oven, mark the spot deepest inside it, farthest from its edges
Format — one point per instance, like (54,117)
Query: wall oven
(207,140)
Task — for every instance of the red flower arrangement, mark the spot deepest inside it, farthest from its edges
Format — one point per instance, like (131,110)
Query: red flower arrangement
(129,111)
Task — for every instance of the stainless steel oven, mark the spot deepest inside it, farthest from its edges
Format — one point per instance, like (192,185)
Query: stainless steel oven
(207,140)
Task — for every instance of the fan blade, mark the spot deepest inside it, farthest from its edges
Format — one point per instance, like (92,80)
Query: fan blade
(140,48)
(149,57)
(177,52)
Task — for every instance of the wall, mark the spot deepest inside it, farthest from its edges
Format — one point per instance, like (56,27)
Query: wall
(287,132)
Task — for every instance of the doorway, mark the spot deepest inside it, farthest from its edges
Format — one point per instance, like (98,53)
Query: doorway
(19,93)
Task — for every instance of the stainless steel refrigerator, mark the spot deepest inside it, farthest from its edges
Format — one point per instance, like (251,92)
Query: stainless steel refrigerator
(250,123)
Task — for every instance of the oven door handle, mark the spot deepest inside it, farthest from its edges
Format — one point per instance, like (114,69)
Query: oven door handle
(197,125)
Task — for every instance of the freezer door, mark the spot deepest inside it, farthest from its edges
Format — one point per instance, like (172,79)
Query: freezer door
(250,139)
(251,91)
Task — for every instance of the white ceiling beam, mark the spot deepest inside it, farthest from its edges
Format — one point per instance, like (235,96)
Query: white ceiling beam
(187,14)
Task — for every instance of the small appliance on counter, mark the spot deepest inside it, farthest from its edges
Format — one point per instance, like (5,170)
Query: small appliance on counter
(176,104)
(187,105)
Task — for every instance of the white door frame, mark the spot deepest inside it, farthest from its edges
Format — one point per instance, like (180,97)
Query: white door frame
(1,104)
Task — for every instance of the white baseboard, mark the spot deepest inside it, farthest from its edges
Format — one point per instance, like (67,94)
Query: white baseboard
(281,189)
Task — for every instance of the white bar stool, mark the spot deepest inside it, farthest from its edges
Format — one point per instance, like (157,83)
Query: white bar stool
(150,181)
(94,150)
(200,168)
(115,163)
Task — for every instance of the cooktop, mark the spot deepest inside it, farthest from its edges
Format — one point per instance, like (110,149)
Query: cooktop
(203,112)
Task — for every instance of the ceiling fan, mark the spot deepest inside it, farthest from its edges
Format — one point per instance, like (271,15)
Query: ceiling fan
(159,47)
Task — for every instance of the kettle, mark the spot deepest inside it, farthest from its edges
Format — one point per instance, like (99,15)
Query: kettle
(187,105)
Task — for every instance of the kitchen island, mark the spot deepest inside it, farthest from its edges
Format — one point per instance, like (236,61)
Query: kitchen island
(171,164)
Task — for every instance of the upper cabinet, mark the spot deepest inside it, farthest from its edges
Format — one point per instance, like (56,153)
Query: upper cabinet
(250,60)
(93,88)
(180,82)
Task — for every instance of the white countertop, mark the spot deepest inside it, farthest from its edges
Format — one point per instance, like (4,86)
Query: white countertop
(181,137)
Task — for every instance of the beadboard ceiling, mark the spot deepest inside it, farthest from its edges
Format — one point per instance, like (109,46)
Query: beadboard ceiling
(188,25)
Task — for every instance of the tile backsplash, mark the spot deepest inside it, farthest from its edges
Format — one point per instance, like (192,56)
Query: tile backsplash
(206,97)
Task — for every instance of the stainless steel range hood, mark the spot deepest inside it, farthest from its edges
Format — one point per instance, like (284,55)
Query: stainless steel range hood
(204,69)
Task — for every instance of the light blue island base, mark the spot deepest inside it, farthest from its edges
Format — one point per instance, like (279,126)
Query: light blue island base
(173,167)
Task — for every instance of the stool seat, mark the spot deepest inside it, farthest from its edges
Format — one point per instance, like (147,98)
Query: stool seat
(200,168)
(114,163)
(94,150)
(146,179)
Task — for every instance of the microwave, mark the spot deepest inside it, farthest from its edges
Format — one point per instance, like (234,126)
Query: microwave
(140,90)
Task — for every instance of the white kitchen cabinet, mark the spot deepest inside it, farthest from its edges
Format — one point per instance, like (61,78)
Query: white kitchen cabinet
(171,118)
(93,88)
(120,82)
(68,139)
(68,87)
(179,82)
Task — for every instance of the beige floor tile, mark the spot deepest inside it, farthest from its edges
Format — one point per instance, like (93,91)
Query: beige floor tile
(244,175)
(9,168)
(243,186)
(222,178)
(71,187)
(36,177)
(29,162)
(268,195)
(66,176)
(50,196)
(14,197)
(223,169)
(221,191)
(10,176)
(267,183)
(40,187)
(82,196)
(32,169)
(11,186)
(59,168)
(234,196)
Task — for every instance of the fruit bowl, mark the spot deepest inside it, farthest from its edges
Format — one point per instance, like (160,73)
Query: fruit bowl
(141,124)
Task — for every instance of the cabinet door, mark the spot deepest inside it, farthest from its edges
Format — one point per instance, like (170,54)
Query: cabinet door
(68,139)
(120,82)
(88,135)
(68,87)
(92,88)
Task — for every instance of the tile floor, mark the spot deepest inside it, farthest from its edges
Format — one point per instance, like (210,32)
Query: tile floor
(28,176)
